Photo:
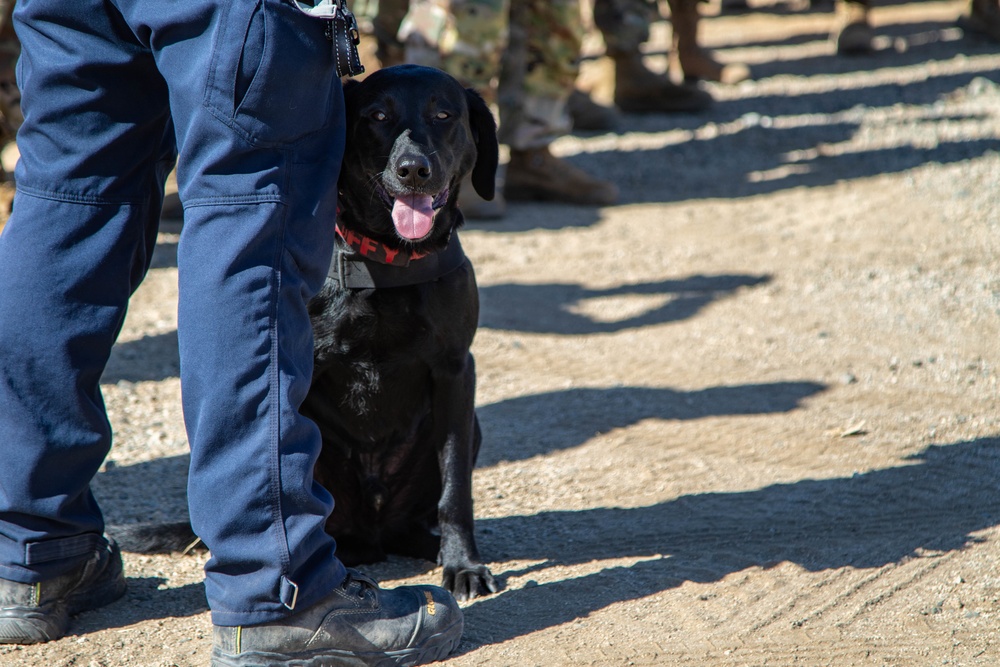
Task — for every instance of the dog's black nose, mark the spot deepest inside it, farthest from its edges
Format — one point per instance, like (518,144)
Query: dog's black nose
(413,170)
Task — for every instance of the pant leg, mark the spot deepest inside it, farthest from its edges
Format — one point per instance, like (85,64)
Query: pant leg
(258,111)
(463,37)
(90,183)
(540,68)
(388,17)
(10,96)
(258,114)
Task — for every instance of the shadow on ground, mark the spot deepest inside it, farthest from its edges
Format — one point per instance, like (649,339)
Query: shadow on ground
(159,359)
(145,600)
(810,150)
(155,491)
(933,501)
(548,308)
(564,419)
(698,168)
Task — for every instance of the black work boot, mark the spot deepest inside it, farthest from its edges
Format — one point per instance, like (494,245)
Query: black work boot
(33,613)
(358,624)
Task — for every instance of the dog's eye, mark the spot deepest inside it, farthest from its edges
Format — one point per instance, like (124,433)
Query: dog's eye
(379,116)
(443,115)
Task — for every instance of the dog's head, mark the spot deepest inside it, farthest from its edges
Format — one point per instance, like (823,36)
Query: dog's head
(413,134)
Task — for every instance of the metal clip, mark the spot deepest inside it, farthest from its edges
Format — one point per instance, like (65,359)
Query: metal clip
(343,31)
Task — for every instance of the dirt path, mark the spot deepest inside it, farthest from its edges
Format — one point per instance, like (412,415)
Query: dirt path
(747,417)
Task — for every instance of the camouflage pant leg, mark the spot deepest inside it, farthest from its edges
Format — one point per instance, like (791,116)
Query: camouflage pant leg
(10,96)
(381,19)
(539,71)
(540,44)
(624,24)
(465,38)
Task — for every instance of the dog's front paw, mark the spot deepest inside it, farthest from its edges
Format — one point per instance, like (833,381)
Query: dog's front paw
(467,582)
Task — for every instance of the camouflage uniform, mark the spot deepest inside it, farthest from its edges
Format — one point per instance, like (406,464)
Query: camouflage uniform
(522,56)
(10,97)
(535,43)
(465,38)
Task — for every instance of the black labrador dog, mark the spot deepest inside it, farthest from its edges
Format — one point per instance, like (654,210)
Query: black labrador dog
(393,387)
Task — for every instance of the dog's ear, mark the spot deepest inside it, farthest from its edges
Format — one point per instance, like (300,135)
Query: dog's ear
(484,134)
(348,86)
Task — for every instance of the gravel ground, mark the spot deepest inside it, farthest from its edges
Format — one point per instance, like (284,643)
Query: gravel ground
(748,416)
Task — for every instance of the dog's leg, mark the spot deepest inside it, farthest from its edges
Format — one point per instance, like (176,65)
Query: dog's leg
(454,422)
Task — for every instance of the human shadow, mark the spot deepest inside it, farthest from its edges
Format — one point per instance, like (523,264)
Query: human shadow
(148,492)
(895,45)
(164,255)
(932,502)
(549,307)
(568,418)
(145,600)
(165,252)
(156,491)
(151,358)
(780,158)
(534,308)
(810,149)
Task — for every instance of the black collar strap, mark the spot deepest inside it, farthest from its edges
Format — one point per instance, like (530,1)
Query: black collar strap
(352,270)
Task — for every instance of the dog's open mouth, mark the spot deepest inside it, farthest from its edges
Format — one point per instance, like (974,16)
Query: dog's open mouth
(413,213)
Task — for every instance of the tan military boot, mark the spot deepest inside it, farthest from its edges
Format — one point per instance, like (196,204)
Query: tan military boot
(537,175)
(589,116)
(694,61)
(474,207)
(640,90)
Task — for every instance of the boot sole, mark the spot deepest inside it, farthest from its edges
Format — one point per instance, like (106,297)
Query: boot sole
(436,647)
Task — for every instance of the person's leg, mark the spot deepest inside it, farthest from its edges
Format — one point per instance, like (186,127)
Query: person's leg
(624,24)
(90,178)
(10,96)
(465,38)
(257,177)
(539,74)
(260,123)
(259,117)
(693,60)
(385,26)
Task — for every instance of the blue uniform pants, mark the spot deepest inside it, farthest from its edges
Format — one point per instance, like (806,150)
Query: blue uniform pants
(243,93)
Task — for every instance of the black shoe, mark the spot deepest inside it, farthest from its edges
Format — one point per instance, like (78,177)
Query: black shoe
(357,624)
(33,613)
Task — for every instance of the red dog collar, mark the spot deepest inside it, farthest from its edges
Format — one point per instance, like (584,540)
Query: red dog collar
(377,251)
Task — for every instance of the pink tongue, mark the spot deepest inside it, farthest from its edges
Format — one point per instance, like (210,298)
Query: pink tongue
(413,216)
